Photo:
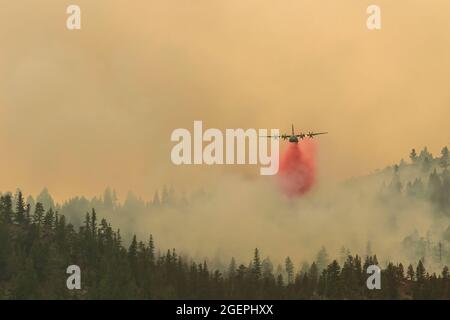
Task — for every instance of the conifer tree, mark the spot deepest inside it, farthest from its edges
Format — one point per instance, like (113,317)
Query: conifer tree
(322,259)
(151,249)
(420,272)
(413,156)
(256,265)
(289,270)
(20,208)
(6,210)
(38,216)
(94,223)
(232,268)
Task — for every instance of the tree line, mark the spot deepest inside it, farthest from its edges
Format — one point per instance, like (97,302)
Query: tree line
(431,180)
(37,246)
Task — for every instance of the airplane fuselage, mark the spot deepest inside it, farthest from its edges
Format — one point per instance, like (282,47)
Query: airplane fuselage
(295,138)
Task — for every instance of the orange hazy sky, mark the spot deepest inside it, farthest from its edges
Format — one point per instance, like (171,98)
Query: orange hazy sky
(82,110)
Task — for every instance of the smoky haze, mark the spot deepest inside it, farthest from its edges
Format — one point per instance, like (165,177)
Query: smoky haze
(231,218)
(81,110)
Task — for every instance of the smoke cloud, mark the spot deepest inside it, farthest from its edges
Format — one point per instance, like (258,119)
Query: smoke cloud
(81,110)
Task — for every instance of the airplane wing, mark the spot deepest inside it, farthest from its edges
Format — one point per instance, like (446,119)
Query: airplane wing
(312,134)
(283,136)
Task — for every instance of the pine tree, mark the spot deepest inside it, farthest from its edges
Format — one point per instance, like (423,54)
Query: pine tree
(426,164)
(413,156)
(27,213)
(401,272)
(20,208)
(425,154)
(280,281)
(94,223)
(313,276)
(31,202)
(46,199)
(391,283)
(322,259)
(132,250)
(444,160)
(132,256)
(434,187)
(87,225)
(420,272)
(289,270)
(232,268)
(332,273)
(241,273)
(38,217)
(49,218)
(256,265)
(410,273)
(6,210)
(267,269)
(151,249)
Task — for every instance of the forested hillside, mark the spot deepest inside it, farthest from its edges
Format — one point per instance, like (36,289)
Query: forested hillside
(39,239)
(37,247)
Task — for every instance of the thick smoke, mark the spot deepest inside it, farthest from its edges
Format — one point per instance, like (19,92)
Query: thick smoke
(298,168)
(234,216)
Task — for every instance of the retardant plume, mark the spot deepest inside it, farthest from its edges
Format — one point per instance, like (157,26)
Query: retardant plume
(297,168)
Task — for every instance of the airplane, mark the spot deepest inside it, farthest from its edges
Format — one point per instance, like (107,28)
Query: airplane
(294,138)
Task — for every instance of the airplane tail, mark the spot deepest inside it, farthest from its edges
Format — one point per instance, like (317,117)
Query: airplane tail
(293,129)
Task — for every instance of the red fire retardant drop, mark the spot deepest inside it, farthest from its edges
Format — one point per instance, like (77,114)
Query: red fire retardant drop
(298,168)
